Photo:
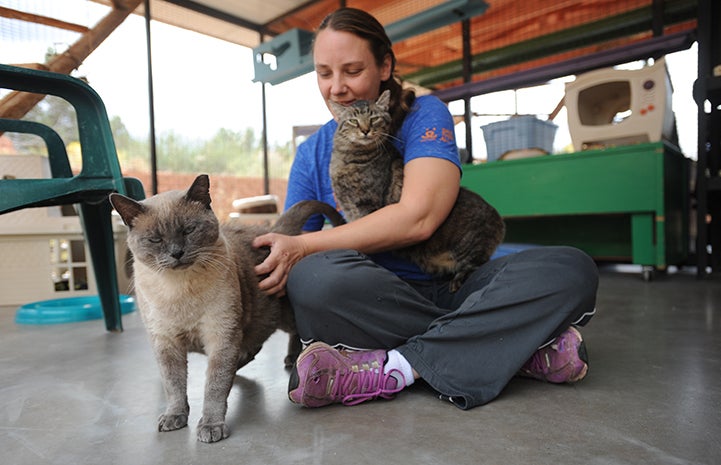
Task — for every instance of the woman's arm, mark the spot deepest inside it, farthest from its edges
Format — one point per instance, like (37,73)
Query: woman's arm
(430,188)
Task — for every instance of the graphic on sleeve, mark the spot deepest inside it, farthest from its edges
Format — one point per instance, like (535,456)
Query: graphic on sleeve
(447,135)
(430,135)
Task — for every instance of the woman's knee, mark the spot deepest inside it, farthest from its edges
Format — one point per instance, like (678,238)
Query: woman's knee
(581,270)
(576,279)
(565,271)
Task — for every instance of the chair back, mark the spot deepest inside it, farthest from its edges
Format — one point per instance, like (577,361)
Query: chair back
(100,173)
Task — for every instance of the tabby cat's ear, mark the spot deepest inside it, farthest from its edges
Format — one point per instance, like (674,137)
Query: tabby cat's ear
(336,108)
(384,99)
(127,208)
(200,191)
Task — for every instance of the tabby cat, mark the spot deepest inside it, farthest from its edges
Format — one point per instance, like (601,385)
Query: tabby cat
(366,173)
(197,291)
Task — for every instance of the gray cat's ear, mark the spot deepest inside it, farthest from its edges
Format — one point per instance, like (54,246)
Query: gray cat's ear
(384,99)
(127,208)
(200,190)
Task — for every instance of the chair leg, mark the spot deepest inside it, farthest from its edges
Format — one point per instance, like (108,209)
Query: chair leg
(97,225)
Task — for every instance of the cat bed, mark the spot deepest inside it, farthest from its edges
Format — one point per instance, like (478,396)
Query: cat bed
(67,310)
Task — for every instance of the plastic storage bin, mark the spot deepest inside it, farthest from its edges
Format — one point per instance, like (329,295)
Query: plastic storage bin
(518,133)
(44,255)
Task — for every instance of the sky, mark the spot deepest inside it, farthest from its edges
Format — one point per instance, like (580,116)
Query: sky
(202,84)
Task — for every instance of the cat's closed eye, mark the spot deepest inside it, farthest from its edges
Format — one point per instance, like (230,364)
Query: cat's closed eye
(155,239)
(188,230)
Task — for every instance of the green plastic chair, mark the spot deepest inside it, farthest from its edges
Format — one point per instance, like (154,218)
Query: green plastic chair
(99,176)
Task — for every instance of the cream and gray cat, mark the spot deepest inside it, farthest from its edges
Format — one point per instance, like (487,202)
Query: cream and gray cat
(366,173)
(197,291)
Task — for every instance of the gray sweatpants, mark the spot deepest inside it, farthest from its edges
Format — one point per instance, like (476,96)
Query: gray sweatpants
(466,345)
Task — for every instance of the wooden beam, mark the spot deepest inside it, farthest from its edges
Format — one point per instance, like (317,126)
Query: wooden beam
(44,20)
(17,104)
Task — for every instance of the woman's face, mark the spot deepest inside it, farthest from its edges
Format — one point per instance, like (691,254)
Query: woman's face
(346,68)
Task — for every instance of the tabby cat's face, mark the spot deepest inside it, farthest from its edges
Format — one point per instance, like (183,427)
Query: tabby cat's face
(365,122)
(362,123)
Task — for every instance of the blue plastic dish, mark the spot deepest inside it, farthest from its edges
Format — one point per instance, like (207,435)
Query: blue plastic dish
(68,310)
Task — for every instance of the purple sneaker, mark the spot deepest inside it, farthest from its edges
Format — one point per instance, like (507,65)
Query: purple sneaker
(323,375)
(563,361)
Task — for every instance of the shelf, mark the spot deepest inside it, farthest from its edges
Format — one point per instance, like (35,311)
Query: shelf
(626,204)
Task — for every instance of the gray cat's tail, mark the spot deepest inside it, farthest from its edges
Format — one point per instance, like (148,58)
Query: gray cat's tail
(292,220)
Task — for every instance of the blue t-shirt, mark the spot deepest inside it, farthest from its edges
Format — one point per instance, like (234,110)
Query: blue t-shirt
(427,131)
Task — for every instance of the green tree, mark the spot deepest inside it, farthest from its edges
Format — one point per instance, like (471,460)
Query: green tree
(175,153)
(238,153)
(54,112)
(120,133)
(221,153)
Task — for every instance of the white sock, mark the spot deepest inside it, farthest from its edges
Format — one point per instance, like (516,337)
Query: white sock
(398,362)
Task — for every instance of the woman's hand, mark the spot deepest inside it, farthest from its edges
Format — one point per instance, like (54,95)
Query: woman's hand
(285,251)
(430,188)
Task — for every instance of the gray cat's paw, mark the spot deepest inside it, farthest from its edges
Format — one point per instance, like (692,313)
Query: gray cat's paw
(168,422)
(212,432)
(294,349)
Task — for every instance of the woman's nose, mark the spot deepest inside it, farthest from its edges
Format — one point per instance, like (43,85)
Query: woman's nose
(338,86)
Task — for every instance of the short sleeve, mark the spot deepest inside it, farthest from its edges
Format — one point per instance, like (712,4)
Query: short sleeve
(428,131)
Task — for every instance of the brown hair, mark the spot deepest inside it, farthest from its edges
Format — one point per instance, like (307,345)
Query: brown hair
(365,26)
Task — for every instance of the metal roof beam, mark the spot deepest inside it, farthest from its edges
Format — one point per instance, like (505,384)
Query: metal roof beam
(534,76)
(217,14)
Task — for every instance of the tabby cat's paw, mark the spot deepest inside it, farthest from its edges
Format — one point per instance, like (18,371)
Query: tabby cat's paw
(168,422)
(212,432)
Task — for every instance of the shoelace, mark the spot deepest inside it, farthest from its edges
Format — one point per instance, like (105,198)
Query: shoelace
(539,363)
(369,384)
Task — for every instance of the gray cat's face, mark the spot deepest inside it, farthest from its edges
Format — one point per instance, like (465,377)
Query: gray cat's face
(173,238)
(173,230)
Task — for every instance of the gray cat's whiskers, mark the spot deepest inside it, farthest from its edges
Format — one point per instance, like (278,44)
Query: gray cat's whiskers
(214,263)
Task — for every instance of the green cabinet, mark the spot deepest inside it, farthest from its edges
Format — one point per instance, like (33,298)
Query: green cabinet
(624,204)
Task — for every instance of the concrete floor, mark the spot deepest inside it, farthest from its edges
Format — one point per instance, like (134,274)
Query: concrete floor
(74,394)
